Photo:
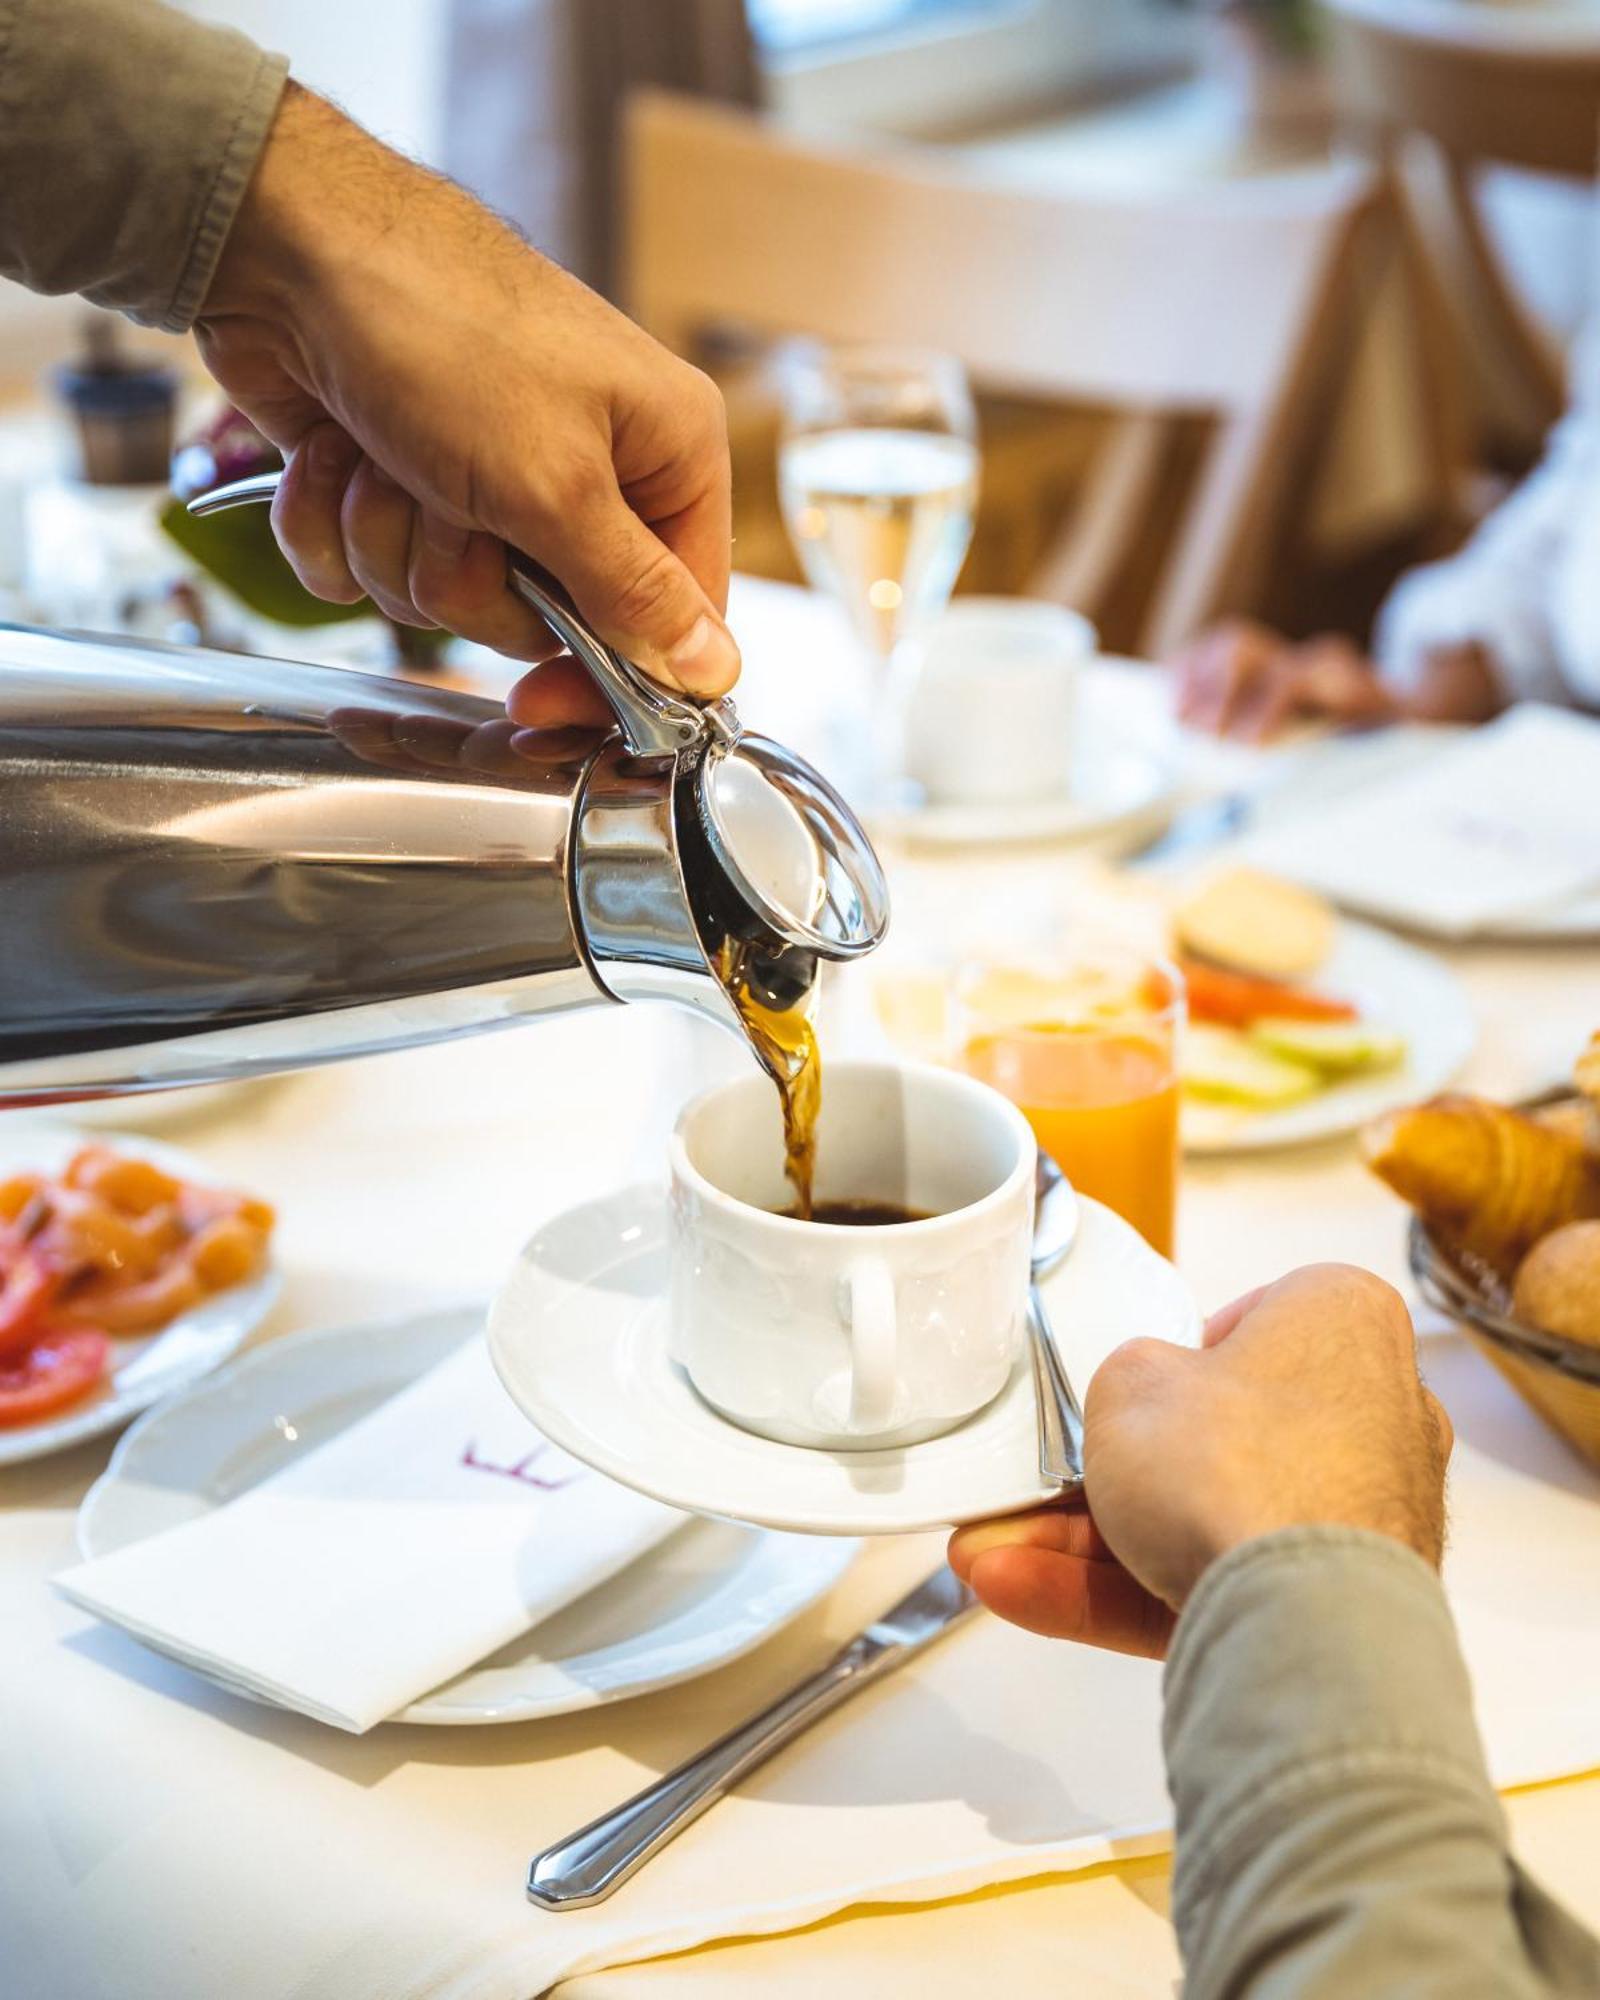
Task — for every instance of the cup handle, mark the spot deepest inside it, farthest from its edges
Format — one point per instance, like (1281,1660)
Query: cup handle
(874,1342)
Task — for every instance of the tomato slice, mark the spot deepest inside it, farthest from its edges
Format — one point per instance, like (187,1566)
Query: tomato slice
(59,1369)
(1235,999)
(31,1286)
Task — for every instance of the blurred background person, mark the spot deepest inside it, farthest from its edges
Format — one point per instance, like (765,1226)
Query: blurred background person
(1513,616)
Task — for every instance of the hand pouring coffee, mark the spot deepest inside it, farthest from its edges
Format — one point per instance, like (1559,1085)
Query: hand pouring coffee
(218,867)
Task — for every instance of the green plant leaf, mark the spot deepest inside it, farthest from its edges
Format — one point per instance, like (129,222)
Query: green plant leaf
(238,548)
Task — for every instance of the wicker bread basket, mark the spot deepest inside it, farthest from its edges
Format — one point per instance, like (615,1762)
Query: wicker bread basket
(1559,1377)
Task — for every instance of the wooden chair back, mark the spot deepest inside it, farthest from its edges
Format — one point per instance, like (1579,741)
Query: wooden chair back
(1230,303)
(1480,90)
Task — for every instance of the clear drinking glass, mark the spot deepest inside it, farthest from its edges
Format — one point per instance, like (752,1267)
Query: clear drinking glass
(878,478)
(1085,1044)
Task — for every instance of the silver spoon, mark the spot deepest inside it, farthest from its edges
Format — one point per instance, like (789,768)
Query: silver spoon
(1055,1229)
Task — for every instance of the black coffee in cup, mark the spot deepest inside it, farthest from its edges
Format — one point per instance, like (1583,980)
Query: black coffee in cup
(860,1214)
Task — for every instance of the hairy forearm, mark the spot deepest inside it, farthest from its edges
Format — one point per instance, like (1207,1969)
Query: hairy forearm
(325,195)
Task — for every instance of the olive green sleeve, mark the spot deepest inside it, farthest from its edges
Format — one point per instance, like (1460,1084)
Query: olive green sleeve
(1337,1833)
(128,134)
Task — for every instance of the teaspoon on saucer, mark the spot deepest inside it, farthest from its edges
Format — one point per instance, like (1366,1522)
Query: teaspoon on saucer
(1055,1230)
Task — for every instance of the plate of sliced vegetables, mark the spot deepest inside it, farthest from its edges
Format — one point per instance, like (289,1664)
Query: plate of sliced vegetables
(125,1273)
(1279,1060)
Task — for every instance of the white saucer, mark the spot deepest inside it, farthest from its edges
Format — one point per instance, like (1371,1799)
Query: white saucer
(147,1367)
(578,1337)
(1115,785)
(704,1596)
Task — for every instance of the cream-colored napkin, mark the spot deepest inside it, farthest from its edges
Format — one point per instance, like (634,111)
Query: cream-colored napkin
(1501,824)
(397,1555)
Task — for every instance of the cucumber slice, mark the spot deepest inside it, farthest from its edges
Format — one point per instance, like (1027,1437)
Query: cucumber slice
(1332,1048)
(1226,1067)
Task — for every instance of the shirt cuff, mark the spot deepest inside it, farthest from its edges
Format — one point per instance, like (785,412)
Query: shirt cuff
(245,114)
(128,135)
(1308,1661)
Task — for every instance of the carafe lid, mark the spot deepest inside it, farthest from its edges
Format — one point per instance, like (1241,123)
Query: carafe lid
(792,848)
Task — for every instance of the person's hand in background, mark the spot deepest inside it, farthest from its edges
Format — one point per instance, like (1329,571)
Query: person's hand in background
(1244,680)
(1303,1406)
(439,389)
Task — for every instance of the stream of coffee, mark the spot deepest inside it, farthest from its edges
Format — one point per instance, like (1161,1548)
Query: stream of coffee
(786,1041)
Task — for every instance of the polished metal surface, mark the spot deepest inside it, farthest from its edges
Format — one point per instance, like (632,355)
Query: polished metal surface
(643,938)
(219,866)
(789,847)
(1060,1416)
(215,867)
(591,1864)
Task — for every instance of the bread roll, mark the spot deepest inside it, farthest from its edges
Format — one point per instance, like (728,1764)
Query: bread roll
(1258,924)
(1558,1283)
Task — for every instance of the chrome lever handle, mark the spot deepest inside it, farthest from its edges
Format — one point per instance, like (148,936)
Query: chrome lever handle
(654,722)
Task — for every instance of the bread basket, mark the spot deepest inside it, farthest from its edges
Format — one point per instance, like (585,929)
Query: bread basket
(1559,1377)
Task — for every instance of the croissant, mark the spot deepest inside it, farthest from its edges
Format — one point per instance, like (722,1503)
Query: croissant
(1490,1179)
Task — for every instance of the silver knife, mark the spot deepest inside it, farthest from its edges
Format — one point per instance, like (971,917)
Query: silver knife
(590,1864)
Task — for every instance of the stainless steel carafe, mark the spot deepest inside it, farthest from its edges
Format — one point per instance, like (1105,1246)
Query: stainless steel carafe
(213,867)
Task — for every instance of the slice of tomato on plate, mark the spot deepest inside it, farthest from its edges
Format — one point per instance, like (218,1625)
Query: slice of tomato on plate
(58,1370)
(29,1291)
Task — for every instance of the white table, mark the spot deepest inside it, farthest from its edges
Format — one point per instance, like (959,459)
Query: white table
(415,1177)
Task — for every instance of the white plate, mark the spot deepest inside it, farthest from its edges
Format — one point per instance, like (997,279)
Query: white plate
(143,1370)
(704,1596)
(578,1335)
(145,1110)
(1116,785)
(1397,986)
(1575,920)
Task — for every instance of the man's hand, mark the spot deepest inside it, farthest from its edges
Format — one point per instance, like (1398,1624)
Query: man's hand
(1303,1406)
(439,389)
(1244,680)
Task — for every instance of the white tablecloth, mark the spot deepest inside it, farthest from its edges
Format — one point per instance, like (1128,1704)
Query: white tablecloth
(316,1860)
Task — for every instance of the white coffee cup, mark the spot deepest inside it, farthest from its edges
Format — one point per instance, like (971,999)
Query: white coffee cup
(989,711)
(840,1336)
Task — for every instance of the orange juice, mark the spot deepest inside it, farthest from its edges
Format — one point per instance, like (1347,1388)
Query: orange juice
(1086,1047)
(1105,1107)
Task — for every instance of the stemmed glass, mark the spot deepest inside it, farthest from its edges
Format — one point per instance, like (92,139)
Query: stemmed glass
(878,478)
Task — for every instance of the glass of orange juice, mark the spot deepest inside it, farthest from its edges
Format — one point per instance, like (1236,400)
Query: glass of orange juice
(1086,1045)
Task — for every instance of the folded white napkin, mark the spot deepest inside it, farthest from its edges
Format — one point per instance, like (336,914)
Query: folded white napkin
(1503,823)
(400,1553)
